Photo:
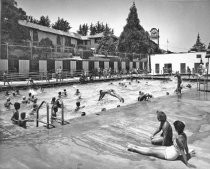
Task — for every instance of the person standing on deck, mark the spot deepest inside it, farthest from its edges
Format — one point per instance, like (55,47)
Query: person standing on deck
(5,78)
(179,81)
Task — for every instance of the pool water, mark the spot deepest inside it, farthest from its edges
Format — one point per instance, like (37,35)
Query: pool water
(89,97)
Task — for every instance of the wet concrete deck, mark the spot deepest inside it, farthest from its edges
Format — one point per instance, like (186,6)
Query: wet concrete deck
(99,141)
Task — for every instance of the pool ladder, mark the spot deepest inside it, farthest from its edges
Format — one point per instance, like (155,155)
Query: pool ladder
(203,81)
(48,124)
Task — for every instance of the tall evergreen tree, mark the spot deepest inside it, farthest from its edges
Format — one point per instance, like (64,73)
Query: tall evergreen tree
(83,29)
(98,27)
(198,46)
(133,39)
(11,30)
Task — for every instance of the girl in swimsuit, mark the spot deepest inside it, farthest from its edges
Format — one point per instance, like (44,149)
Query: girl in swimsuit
(179,147)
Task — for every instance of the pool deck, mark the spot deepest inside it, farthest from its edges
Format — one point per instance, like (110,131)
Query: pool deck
(99,141)
(75,80)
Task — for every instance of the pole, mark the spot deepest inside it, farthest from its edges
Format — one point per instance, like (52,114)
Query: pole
(0,27)
(158,38)
(37,118)
(207,75)
(48,119)
(62,114)
(7,51)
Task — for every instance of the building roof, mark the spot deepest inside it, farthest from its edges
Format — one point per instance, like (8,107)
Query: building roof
(59,32)
(99,35)
(47,29)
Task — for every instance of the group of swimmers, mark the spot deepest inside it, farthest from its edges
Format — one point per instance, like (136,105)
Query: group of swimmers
(22,118)
(168,148)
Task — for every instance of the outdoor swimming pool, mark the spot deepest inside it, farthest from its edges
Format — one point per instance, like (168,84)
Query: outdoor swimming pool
(89,97)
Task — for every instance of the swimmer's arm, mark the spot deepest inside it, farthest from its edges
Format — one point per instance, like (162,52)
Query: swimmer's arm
(179,142)
(186,148)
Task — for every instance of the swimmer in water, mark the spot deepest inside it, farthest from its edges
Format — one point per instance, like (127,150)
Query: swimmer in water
(17,92)
(7,103)
(15,116)
(110,92)
(144,97)
(78,107)
(64,92)
(59,95)
(77,92)
(24,101)
(7,93)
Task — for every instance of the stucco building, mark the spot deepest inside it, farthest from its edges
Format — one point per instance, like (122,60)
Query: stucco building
(177,62)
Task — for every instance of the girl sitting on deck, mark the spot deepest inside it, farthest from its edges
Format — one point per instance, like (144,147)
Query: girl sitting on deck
(174,152)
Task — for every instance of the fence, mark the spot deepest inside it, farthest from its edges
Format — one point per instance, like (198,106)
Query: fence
(25,51)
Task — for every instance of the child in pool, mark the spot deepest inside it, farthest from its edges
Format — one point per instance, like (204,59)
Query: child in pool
(77,92)
(64,92)
(24,101)
(23,120)
(59,95)
(7,103)
(15,116)
(78,107)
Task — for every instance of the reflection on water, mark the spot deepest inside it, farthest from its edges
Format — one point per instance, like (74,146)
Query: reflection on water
(89,97)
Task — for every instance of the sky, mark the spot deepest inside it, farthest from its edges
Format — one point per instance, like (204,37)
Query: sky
(179,21)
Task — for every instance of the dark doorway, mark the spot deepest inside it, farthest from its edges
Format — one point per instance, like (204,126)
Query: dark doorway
(101,64)
(13,65)
(182,68)
(51,66)
(168,68)
(79,65)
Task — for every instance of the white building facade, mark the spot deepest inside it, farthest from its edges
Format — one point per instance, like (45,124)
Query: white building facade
(177,62)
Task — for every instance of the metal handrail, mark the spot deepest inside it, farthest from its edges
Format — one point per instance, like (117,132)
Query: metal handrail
(48,116)
(62,114)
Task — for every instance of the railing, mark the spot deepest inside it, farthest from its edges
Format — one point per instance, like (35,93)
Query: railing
(61,120)
(48,116)
(202,80)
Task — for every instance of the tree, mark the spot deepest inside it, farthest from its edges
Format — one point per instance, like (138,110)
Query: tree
(198,46)
(92,29)
(44,21)
(11,30)
(133,39)
(83,29)
(107,43)
(62,25)
(32,20)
